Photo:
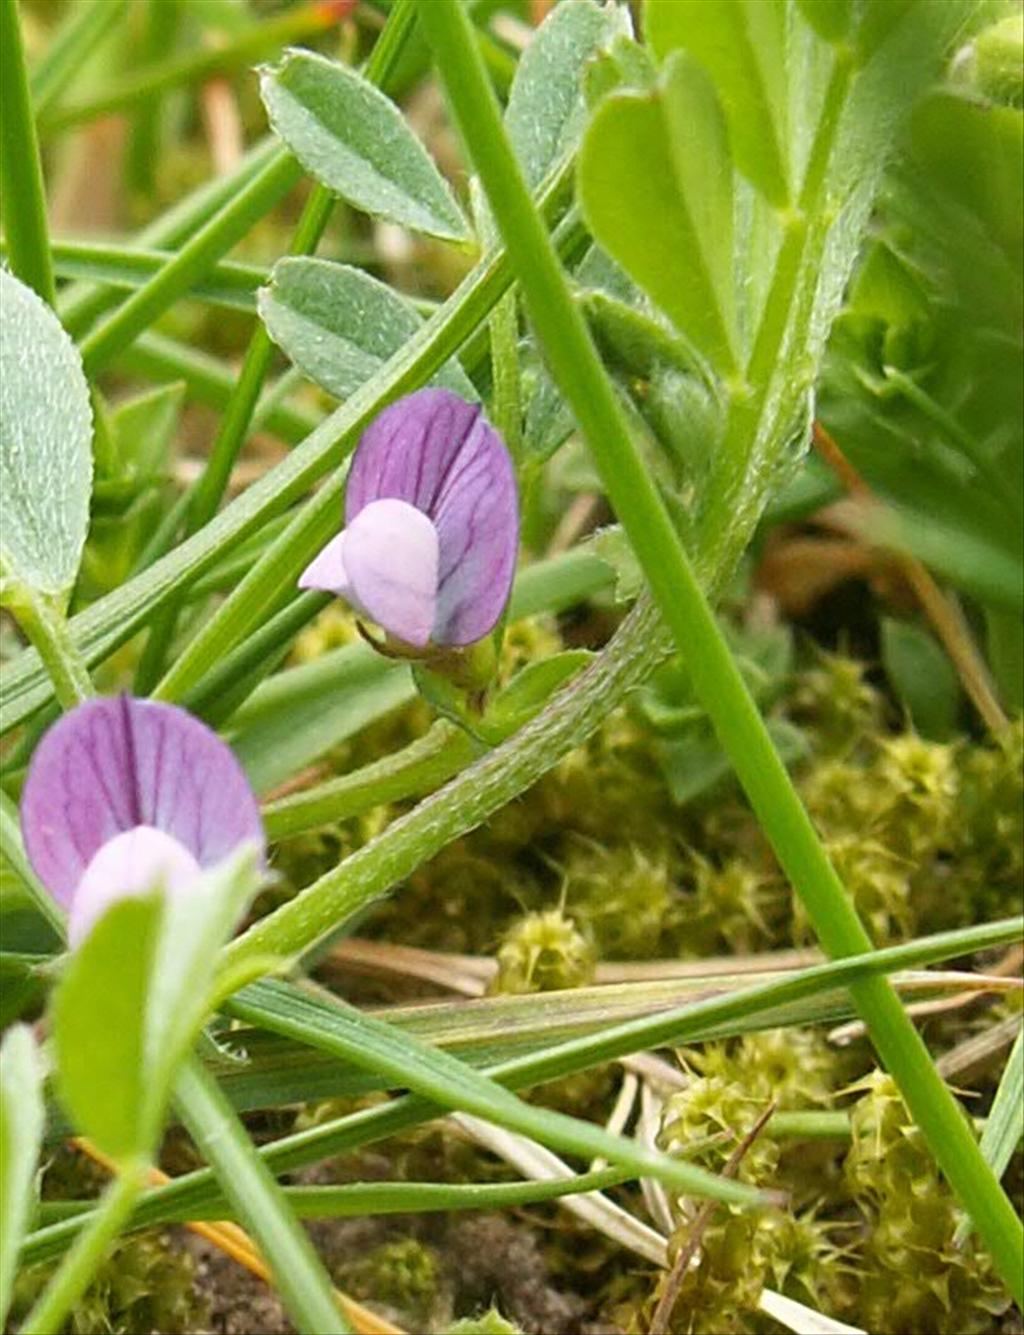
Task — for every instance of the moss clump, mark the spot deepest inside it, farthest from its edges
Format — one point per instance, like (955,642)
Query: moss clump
(490,1322)
(543,952)
(402,1273)
(912,1277)
(147,1283)
(626,895)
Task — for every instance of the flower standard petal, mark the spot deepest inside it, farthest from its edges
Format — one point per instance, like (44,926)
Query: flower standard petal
(476,514)
(409,450)
(391,559)
(111,765)
(133,863)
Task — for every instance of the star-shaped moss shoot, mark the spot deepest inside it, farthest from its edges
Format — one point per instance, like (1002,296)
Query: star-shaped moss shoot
(124,795)
(431,532)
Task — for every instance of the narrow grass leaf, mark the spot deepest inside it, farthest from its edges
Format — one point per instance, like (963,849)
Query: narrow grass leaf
(373,1044)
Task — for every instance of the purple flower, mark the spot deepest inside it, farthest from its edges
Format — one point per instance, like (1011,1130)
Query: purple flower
(432,527)
(124,793)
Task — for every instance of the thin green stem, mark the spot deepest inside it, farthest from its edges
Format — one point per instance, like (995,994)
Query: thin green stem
(47,1317)
(195,258)
(256,40)
(506,405)
(45,625)
(418,768)
(673,1028)
(13,852)
(21,173)
(71,46)
(356,1199)
(717,681)
(83,303)
(255,1196)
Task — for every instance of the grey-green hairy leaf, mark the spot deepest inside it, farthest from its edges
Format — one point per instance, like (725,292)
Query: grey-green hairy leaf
(339,326)
(45,443)
(546,110)
(22,1119)
(354,140)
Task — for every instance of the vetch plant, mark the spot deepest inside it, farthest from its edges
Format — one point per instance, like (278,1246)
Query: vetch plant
(431,524)
(530,388)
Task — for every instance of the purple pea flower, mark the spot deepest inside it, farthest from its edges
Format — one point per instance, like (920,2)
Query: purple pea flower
(432,527)
(122,794)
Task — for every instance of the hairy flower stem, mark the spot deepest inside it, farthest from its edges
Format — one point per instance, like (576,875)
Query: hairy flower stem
(47,628)
(464,803)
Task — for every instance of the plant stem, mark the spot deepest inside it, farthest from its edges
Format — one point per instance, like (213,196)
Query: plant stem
(681,1025)
(420,767)
(192,262)
(47,1317)
(13,852)
(45,625)
(255,40)
(258,1202)
(21,173)
(717,681)
(70,47)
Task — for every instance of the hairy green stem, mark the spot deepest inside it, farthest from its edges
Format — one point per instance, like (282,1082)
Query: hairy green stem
(479,791)
(717,681)
(418,768)
(21,173)
(45,625)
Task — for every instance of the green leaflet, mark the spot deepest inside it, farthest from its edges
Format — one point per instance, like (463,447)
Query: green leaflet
(655,181)
(339,325)
(742,45)
(353,139)
(142,979)
(546,111)
(45,443)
